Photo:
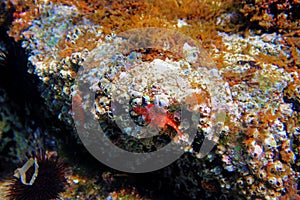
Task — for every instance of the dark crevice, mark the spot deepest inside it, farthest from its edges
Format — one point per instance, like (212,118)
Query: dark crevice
(24,97)
(295,103)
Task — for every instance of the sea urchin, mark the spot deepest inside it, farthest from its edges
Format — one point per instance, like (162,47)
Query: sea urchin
(40,178)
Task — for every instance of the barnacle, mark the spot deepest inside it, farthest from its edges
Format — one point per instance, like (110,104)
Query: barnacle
(20,173)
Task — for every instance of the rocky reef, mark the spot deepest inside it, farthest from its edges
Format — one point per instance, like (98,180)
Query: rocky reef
(234,64)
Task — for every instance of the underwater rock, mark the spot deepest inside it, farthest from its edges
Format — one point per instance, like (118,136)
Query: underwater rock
(257,150)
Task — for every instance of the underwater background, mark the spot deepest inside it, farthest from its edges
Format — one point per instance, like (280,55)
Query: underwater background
(244,87)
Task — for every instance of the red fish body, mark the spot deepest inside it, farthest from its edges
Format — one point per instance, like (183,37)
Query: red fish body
(156,117)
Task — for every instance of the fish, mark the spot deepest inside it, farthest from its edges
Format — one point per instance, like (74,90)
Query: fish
(157,116)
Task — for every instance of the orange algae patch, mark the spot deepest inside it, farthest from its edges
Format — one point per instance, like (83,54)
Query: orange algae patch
(294,42)
(234,78)
(198,98)
(290,90)
(289,64)
(85,40)
(25,12)
(272,15)
(190,9)
(201,18)
(258,128)
(118,16)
